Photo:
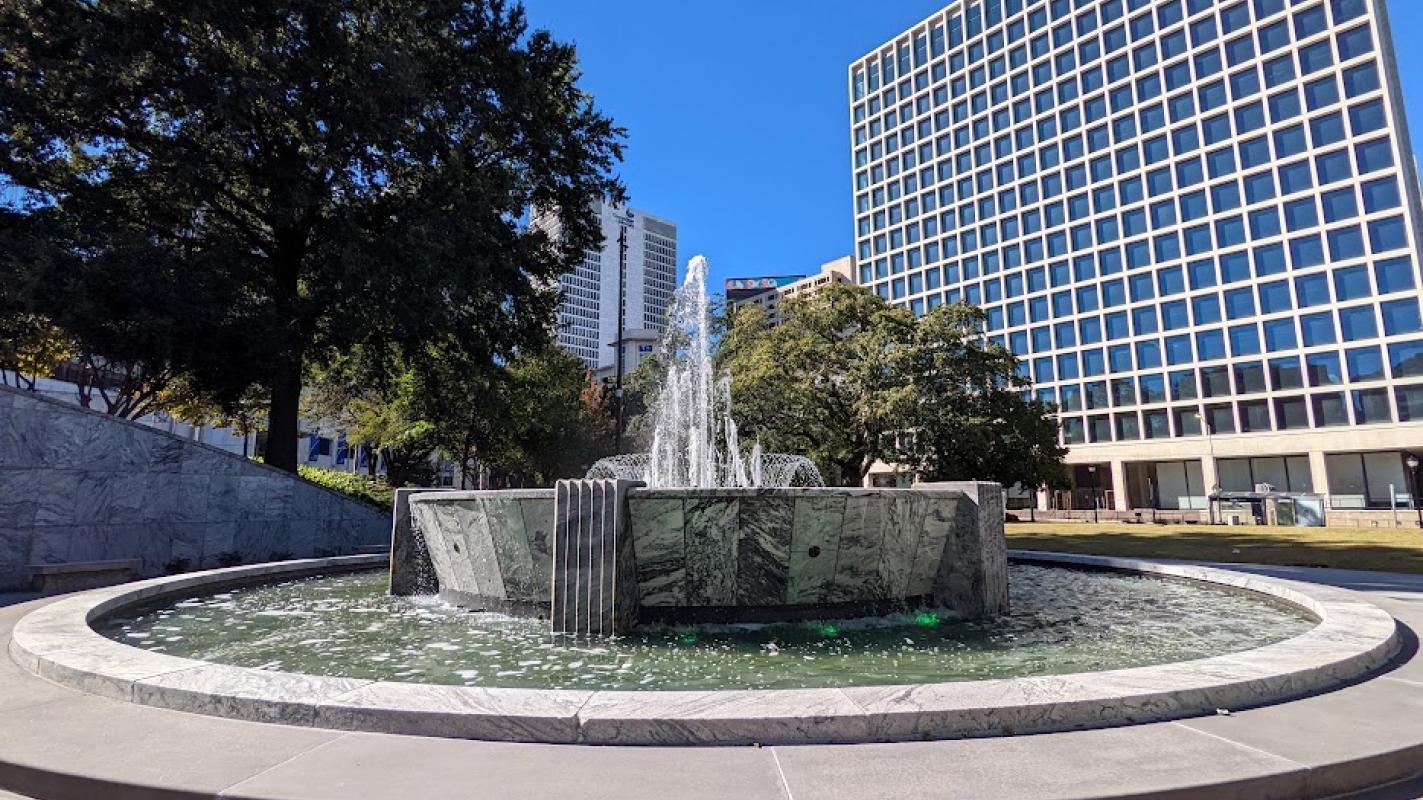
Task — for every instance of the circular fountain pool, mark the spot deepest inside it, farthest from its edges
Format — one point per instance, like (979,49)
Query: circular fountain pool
(1062,621)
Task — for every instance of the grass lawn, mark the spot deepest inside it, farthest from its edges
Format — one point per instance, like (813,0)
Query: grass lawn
(1383,549)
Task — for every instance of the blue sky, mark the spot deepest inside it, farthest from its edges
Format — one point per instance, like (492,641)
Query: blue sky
(737,115)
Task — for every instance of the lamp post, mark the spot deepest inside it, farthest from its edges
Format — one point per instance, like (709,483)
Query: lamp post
(1412,462)
(1092,471)
(622,314)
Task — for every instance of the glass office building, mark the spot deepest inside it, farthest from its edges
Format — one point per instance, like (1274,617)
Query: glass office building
(1195,222)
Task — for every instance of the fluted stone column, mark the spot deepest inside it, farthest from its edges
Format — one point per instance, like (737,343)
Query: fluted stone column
(593,585)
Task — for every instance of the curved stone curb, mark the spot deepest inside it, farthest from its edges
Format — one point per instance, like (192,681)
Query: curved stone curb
(1353,638)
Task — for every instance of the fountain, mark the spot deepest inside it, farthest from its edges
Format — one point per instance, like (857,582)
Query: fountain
(695,441)
(698,531)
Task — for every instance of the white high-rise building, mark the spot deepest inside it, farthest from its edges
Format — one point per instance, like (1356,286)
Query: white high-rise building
(588,315)
(1194,221)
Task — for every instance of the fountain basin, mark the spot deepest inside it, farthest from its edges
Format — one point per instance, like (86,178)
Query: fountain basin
(1353,638)
(632,554)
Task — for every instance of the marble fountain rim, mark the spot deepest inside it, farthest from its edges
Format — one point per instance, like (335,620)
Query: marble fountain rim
(1353,639)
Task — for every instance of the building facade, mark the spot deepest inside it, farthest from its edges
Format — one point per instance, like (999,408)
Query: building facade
(588,313)
(1194,221)
(771,301)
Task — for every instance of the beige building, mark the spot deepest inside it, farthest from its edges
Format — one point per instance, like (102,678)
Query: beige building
(771,301)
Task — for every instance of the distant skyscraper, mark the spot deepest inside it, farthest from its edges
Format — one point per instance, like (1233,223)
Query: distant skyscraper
(588,315)
(1194,221)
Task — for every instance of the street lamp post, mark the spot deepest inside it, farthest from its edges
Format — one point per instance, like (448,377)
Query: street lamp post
(622,314)
(1092,471)
(1412,462)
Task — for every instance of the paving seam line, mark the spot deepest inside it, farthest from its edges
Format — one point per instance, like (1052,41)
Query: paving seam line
(340,736)
(1241,745)
(785,784)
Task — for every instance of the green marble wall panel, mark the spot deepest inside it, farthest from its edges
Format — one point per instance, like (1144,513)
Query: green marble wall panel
(815,547)
(711,527)
(764,524)
(660,546)
(857,569)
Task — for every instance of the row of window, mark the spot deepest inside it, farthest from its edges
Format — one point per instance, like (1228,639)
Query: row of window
(1108,192)
(977,19)
(1315,370)
(1083,81)
(1201,96)
(1321,410)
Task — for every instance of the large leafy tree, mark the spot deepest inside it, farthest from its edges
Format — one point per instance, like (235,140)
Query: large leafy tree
(823,383)
(967,409)
(848,380)
(234,191)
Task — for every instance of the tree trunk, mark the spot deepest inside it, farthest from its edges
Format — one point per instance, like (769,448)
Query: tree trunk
(283,416)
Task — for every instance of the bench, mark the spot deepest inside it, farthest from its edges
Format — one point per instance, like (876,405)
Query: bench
(77,576)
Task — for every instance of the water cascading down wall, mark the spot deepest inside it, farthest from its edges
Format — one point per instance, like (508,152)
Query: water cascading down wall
(599,556)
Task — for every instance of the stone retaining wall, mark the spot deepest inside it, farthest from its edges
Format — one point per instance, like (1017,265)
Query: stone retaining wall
(77,485)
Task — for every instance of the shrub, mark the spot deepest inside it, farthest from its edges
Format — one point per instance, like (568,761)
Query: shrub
(357,487)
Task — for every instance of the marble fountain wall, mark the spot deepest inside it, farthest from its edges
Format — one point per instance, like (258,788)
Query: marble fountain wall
(598,556)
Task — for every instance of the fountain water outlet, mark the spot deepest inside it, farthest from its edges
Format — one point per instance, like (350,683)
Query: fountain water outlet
(698,531)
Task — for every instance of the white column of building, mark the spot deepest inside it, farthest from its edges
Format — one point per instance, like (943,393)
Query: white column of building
(1318,472)
(1121,494)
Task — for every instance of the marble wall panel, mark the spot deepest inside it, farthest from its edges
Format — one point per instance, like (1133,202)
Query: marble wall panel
(660,545)
(505,520)
(94,488)
(764,526)
(904,525)
(857,569)
(711,531)
(815,547)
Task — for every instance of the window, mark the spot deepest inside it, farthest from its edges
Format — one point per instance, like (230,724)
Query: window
(1387,234)
(1291,413)
(1381,194)
(1317,329)
(1394,275)
(1250,377)
(1324,369)
(1152,388)
(1410,403)
(1370,406)
(1357,323)
(1254,416)
(1215,382)
(1183,385)
(1373,156)
(1351,283)
(1285,373)
(1329,410)
(1280,335)
(1405,360)
(1401,316)
(1365,364)
(1156,424)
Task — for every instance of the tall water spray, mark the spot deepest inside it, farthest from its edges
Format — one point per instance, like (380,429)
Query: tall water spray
(695,442)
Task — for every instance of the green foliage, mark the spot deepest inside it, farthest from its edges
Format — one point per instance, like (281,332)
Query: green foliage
(234,191)
(849,380)
(538,419)
(822,384)
(376,493)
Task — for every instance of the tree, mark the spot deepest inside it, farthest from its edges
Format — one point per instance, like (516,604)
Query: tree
(244,416)
(236,191)
(379,414)
(968,410)
(30,348)
(848,380)
(821,384)
(538,419)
